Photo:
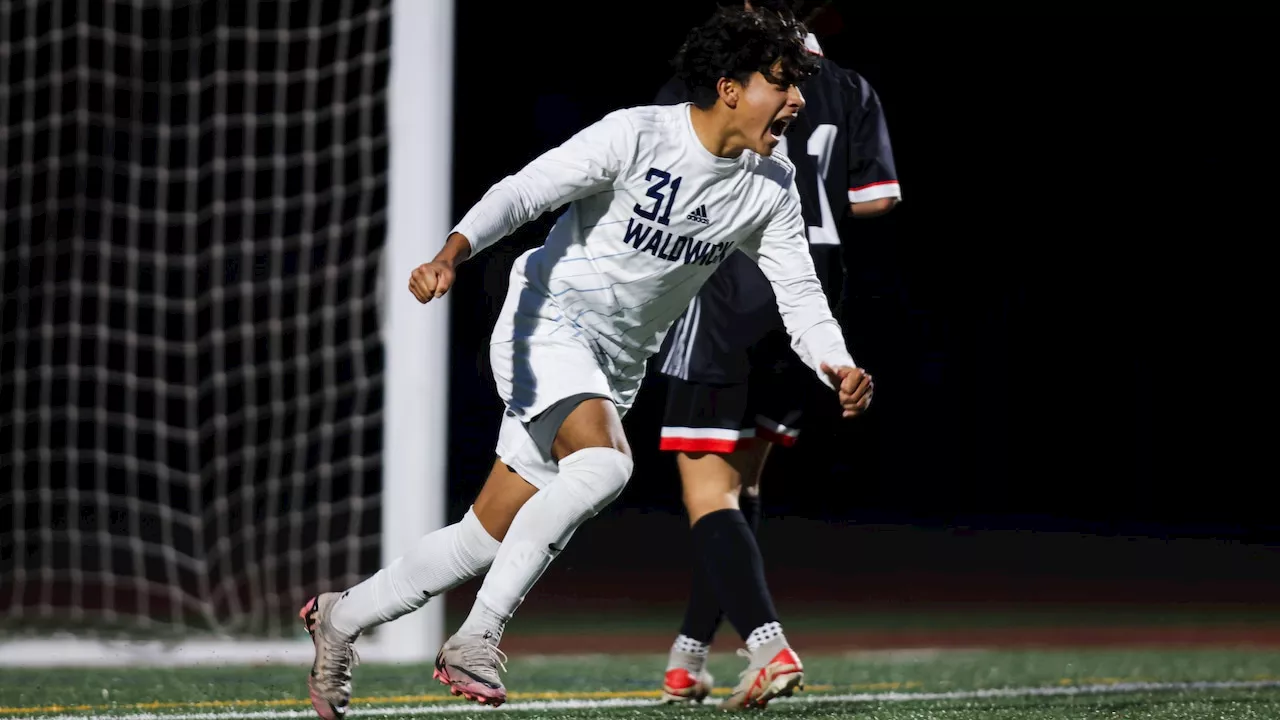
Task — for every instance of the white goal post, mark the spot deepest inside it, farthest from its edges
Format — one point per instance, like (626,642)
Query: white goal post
(417,337)
(164,517)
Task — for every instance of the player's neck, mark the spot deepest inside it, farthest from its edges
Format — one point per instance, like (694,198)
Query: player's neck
(715,132)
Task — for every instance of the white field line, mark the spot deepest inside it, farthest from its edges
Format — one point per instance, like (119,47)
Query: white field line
(544,705)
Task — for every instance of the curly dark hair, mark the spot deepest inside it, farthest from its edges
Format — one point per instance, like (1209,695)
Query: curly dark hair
(735,43)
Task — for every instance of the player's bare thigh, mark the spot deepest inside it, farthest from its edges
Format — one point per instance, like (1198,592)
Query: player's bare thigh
(593,423)
(502,496)
(713,481)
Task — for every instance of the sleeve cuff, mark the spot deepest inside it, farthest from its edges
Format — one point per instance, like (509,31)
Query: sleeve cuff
(467,232)
(875,191)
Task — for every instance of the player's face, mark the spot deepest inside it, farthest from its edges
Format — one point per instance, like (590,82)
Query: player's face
(768,107)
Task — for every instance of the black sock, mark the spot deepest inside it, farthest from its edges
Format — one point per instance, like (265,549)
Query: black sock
(734,571)
(702,615)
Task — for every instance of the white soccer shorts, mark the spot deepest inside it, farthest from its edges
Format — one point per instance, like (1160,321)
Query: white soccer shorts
(538,359)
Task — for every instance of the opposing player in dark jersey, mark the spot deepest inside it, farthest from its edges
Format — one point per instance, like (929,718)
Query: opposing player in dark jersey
(732,376)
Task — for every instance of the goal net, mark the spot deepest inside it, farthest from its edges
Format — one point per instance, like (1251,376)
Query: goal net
(191,389)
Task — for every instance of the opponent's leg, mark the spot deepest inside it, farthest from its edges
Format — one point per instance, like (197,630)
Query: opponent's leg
(703,613)
(698,418)
(711,483)
(440,561)
(594,466)
(734,569)
(773,668)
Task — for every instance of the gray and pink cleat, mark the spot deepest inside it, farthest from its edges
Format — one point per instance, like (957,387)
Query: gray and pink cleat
(469,665)
(330,679)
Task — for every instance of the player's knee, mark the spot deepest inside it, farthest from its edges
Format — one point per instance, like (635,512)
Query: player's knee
(622,447)
(596,476)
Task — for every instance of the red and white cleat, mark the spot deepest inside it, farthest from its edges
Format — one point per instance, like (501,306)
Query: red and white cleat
(780,677)
(679,685)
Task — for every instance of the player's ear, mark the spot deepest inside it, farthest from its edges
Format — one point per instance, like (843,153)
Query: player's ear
(729,90)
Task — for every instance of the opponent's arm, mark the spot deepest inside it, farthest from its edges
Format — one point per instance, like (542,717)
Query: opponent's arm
(873,174)
(872,208)
(585,163)
(782,252)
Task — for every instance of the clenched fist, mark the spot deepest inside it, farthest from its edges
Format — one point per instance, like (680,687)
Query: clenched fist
(431,280)
(855,388)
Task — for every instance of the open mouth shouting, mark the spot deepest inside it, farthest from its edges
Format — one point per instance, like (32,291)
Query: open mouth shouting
(779,127)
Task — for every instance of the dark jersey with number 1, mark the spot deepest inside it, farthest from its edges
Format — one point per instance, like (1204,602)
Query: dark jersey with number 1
(840,147)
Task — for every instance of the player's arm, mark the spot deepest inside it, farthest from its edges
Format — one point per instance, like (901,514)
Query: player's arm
(782,252)
(873,175)
(584,164)
(872,208)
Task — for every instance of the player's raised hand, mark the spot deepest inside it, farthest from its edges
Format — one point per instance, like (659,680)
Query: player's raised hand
(855,388)
(431,280)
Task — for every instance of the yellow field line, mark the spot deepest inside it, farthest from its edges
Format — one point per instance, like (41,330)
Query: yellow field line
(406,699)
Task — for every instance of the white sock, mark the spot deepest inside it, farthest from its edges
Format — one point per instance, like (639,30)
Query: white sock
(483,620)
(587,482)
(440,561)
(763,634)
(689,654)
(686,644)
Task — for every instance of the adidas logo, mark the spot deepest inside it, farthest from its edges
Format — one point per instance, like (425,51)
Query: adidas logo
(699,214)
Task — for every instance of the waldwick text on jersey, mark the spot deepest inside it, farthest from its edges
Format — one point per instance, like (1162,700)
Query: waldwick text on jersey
(672,247)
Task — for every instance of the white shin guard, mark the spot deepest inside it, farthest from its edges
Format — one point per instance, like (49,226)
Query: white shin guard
(588,481)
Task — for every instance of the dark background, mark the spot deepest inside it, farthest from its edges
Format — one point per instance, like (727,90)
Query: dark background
(1069,317)
(1065,316)
(1049,312)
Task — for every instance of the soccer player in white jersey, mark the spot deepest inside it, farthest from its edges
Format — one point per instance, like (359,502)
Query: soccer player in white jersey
(734,387)
(657,197)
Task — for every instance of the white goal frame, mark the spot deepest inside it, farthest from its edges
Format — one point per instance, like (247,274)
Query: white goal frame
(416,401)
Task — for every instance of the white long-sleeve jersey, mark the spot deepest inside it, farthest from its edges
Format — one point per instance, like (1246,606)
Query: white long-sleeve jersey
(651,214)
